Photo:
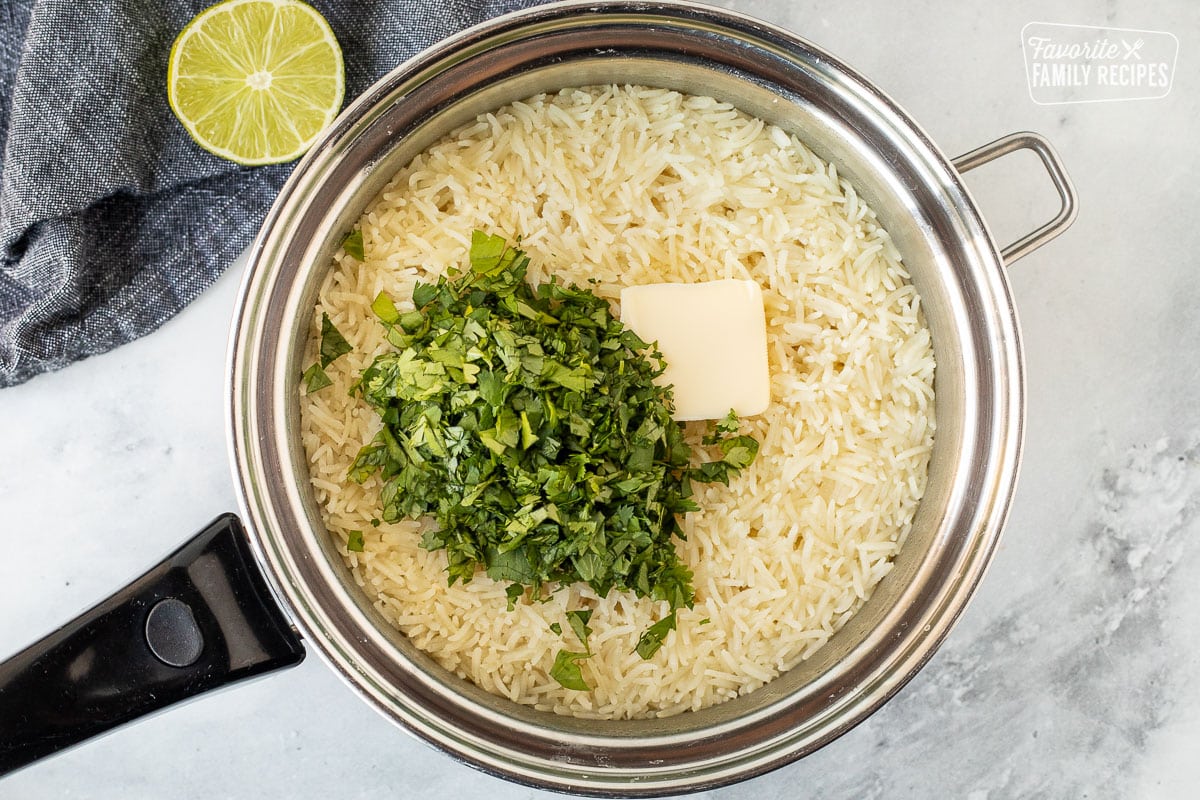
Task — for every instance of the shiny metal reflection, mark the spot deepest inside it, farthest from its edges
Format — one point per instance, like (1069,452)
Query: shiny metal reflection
(918,195)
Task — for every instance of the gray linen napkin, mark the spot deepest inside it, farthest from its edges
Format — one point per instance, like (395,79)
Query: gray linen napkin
(111,218)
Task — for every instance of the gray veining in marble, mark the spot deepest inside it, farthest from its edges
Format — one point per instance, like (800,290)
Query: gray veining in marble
(1071,674)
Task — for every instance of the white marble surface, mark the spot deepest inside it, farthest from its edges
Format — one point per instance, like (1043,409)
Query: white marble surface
(1072,673)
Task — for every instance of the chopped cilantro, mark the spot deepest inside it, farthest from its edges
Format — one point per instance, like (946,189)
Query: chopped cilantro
(729,424)
(315,379)
(653,637)
(514,592)
(333,344)
(566,670)
(385,309)
(355,543)
(566,663)
(488,252)
(353,245)
(578,620)
(737,452)
(526,421)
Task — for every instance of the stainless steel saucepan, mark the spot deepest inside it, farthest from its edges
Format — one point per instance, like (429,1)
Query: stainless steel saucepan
(236,602)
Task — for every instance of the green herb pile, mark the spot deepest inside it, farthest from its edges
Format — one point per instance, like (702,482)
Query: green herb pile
(525,420)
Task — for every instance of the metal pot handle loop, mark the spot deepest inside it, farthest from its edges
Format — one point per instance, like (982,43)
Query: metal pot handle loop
(1027,140)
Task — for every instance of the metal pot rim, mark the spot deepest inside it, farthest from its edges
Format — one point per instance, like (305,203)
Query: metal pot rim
(514,742)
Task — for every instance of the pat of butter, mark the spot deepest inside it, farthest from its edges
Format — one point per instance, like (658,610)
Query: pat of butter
(713,337)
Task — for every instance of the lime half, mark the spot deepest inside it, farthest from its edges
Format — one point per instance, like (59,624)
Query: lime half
(256,81)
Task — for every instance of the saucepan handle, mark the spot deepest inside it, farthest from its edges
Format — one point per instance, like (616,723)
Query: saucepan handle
(201,619)
(1027,140)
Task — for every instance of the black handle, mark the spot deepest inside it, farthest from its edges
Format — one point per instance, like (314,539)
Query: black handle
(201,619)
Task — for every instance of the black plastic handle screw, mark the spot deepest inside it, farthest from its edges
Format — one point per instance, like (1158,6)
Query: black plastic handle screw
(201,619)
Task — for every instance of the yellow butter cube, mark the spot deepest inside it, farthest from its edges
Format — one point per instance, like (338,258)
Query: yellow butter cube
(713,337)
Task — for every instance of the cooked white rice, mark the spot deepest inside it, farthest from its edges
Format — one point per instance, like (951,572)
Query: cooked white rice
(632,185)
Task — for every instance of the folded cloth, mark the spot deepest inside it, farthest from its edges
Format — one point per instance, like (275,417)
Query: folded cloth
(111,218)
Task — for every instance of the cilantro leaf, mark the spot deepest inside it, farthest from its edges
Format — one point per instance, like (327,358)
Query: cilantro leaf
(511,565)
(739,451)
(315,379)
(385,309)
(578,620)
(514,591)
(423,294)
(333,344)
(486,251)
(566,670)
(353,245)
(652,639)
(355,543)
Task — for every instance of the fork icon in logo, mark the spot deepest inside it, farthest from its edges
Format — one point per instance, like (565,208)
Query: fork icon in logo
(1132,49)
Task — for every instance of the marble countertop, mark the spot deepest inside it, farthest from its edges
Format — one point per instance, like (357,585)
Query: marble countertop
(1072,672)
